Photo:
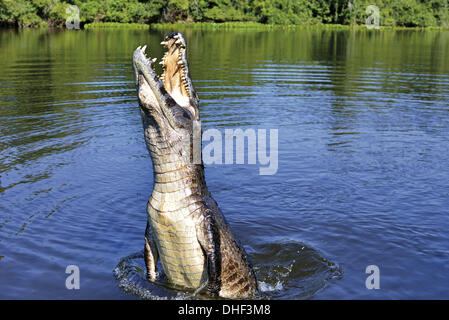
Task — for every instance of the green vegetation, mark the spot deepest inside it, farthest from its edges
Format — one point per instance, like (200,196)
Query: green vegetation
(396,13)
(113,25)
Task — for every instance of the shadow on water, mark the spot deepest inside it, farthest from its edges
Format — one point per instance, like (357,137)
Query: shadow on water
(284,269)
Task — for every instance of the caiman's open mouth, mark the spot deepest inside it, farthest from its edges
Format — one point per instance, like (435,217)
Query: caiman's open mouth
(174,86)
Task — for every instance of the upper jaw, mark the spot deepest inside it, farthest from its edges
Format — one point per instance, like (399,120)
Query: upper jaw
(174,85)
(176,77)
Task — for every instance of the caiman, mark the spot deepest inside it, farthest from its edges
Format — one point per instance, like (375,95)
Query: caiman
(185,230)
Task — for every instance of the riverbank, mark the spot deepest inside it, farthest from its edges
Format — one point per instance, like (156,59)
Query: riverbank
(240,25)
(55,13)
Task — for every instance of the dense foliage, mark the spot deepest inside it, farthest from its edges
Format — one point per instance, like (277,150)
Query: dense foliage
(410,13)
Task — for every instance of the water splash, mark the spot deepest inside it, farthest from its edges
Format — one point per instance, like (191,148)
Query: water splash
(266,287)
(284,269)
(289,269)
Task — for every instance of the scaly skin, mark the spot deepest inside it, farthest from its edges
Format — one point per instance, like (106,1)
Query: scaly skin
(185,230)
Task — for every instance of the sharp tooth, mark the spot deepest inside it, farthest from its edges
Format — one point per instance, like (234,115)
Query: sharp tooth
(161,62)
(138,48)
(176,36)
(153,60)
(180,62)
(144,48)
(178,41)
(164,43)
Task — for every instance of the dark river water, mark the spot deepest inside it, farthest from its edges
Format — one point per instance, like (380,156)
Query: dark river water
(363,170)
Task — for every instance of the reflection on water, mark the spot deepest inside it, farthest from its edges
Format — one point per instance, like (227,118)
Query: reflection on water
(362,118)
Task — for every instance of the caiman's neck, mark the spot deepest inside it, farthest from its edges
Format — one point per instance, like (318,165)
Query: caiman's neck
(176,178)
(177,174)
(177,187)
(174,174)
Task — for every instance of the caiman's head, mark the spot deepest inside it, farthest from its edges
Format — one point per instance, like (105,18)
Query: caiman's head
(169,101)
